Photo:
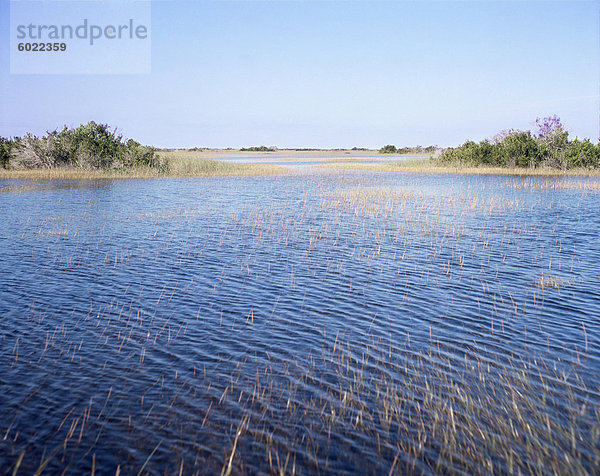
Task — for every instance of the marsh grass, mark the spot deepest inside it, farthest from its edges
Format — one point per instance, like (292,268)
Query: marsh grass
(429,166)
(79,174)
(553,184)
(414,411)
(551,281)
(206,164)
(177,167)
(196,167)
(360,400)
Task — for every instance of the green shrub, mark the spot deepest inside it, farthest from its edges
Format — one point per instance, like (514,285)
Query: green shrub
(6,146)
(518,149)
(89,146)
(582,154)
(472,154)
(262,148)
(388,149)
(137,155)
(550,147)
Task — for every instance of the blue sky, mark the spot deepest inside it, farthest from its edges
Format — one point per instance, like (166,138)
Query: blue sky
(331,74)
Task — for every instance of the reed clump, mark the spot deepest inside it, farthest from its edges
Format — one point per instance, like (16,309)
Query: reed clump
(432,166)
(197,167)
(173,167)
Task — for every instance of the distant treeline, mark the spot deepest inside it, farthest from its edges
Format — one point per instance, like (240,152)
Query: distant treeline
(304,149)
(392,149)
(191,149)
(549,146)
(261,148)
(89,146)
(310,149)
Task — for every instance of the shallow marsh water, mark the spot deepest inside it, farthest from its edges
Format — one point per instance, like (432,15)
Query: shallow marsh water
(317,322)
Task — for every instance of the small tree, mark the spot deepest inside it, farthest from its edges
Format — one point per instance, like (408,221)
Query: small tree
(89,146)
(520,149)
(549,144)
(5,151)
(553,139)
(583,154)
(547,126)
(388,149)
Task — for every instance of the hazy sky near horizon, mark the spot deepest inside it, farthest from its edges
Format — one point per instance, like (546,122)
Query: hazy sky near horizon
(331,74)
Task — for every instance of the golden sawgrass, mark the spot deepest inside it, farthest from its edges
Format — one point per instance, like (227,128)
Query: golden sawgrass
(427,166)
(177,167)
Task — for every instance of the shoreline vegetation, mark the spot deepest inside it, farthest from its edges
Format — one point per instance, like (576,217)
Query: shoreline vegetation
(431,166)
(548,147)
(180,169)
(95,151)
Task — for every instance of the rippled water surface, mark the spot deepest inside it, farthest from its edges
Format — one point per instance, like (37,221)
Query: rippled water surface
(311,323)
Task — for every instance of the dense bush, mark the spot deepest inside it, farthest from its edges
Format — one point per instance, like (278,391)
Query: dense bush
(519,149)
(583,154)
(261,148)
(471,153)
(89,146)
(392,149)
(5,151)
(548,147)
(388,149)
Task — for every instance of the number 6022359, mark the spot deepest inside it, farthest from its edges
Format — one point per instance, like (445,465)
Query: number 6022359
(42,47)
